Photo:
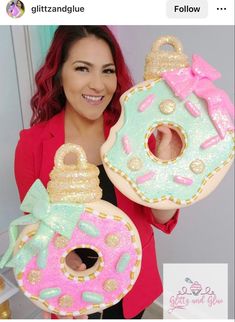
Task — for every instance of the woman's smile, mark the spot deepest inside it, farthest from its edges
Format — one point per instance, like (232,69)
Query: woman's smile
(93,99)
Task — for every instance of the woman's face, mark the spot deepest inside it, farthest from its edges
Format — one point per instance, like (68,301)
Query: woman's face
(88,77)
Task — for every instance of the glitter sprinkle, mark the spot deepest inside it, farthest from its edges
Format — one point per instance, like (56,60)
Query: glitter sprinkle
(126,144)
(112,240)
(61,242)
(146,177)
(211,141)
(197,166)
(34,276)
(192,108)
(66,301)
(183,180)
(134,164)
(167,106)
(110,285)
(147,102)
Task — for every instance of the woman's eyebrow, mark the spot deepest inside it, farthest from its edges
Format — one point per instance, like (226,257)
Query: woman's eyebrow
(83,62)
(109,65)
(90,64)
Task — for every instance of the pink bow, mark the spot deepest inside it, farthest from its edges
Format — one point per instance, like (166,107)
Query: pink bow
(198,79)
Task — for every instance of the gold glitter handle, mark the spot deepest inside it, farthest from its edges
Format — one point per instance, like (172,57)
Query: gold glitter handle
(70,148)
(167,40)
(78,182)
(159,61)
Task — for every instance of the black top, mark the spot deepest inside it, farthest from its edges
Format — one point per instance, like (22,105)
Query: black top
(107,187)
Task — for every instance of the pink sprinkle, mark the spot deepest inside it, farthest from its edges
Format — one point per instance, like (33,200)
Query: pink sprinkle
(146,103)
(148,176)
(211,141)
(126,144)
(193,110)
(183,180)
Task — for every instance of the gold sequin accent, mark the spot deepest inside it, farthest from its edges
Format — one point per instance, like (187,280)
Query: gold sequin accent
(110,285)
(167,106)
(61,242)
(159,60)
(197,166)
(66,301)
(21,244)
(19,276)
(132,275)
(34,276)
(112,240)
(134,164)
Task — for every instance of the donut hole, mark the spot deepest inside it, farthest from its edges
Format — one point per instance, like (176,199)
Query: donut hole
(88,256)
(176,145)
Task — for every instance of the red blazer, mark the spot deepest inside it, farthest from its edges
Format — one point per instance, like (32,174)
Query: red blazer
(34,159)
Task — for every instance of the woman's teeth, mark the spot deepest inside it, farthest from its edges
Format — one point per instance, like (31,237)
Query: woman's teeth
(93,98)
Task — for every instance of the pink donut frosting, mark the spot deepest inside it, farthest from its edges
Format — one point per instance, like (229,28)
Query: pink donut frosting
(73,284)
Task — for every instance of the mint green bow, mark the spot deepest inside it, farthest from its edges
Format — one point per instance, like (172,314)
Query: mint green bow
(56,217)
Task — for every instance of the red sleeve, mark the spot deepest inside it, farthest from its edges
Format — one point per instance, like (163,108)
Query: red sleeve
(167,227)
(24,164)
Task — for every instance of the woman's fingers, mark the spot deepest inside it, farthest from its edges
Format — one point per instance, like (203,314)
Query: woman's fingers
(163,139)
(168,143)
(82,267)
(75,262)
(165,134)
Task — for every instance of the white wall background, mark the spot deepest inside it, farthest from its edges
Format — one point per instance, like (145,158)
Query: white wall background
(205,232)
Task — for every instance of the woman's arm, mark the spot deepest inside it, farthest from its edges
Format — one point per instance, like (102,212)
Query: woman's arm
(25,173)
(163,216)
(168,146)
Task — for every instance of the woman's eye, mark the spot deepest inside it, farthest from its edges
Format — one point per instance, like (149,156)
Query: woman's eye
(109,71)
(82,68)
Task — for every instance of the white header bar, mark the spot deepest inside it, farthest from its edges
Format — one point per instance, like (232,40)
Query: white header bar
(119,12)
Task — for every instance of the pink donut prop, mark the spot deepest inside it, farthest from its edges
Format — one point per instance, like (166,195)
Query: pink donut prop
(184,99)
(71,215)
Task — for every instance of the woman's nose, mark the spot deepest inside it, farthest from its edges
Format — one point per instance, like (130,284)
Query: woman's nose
(96,82)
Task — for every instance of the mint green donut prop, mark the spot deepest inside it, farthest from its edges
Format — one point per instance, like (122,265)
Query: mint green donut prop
(199,116)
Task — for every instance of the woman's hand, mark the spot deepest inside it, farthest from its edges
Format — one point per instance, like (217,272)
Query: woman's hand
(168,147)
(168,143)
(76,264)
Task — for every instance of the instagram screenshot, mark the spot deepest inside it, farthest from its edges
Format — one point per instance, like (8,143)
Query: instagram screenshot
(116,159)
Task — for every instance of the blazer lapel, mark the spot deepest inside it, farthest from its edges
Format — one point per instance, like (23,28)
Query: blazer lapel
(53,139)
